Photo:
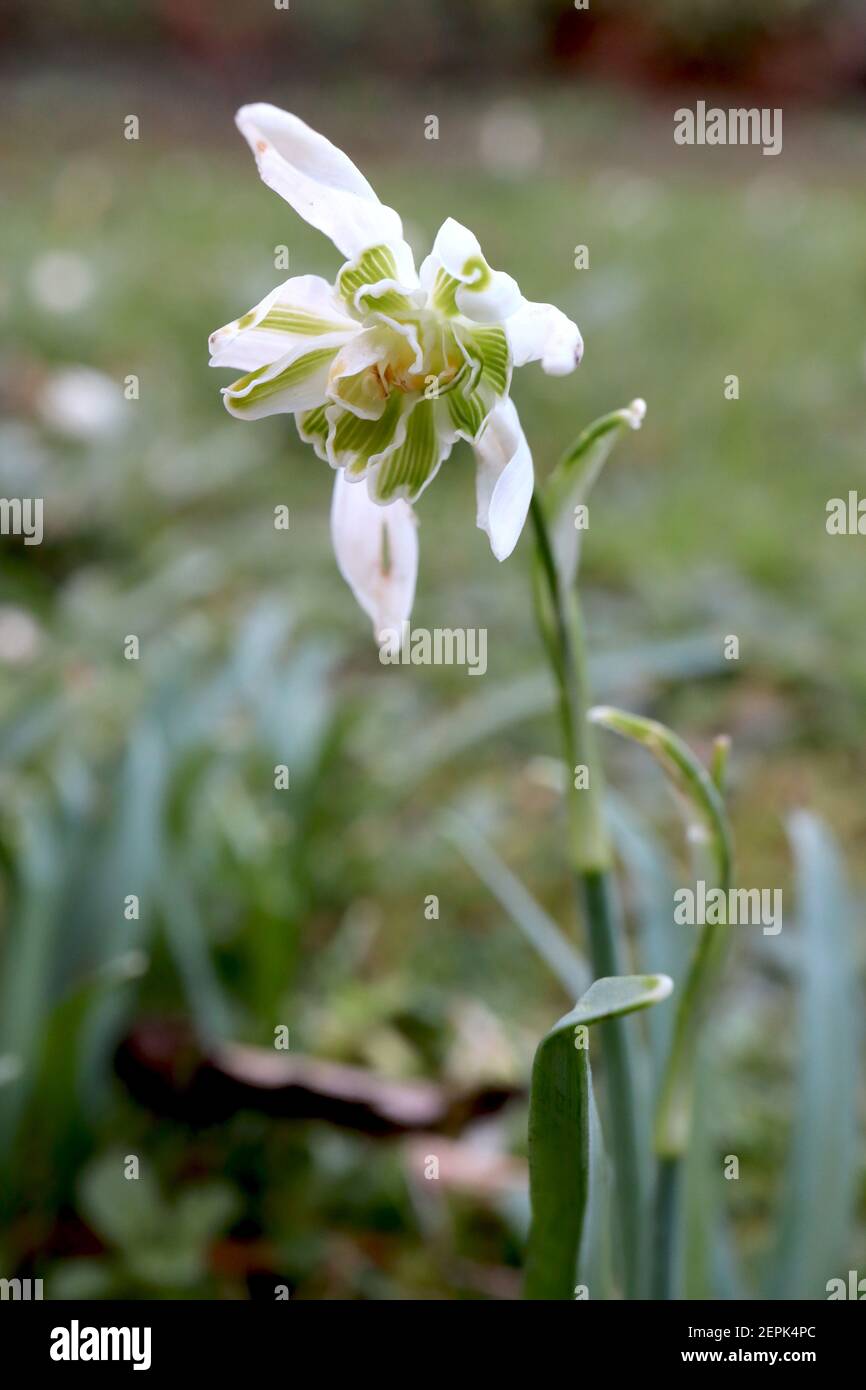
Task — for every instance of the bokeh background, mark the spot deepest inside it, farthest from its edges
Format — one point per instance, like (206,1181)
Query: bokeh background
(305,909)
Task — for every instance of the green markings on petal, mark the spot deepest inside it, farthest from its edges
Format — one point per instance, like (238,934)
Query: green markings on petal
(293,375)
(443,295)
(372,266)
(413,462)
(468,412)
(313,429)
(377,263)
(490,347)
(313,424)
(363,439)
(477,273)
(285,319)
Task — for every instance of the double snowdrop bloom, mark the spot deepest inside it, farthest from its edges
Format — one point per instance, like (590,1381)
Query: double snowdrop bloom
(386,369)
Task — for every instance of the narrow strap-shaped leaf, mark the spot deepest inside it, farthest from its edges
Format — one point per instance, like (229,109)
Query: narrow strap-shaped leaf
(651,880)
(559,1131)
(542,933)
(820,1186)
(26,961)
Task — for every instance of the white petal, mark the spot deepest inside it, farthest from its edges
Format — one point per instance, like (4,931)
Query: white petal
(292,314)
(377,552)
(454,246)
(504,479)
(542,332)
(492,304)
(484,295)
(319,181)
(296,382)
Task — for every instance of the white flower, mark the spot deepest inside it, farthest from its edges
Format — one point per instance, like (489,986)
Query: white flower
(386,369)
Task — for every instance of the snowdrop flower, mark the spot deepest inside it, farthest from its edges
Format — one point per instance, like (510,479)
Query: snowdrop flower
(387,368)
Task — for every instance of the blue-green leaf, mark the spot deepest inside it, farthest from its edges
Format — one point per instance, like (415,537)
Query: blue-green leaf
(820,1187)
(561,1132)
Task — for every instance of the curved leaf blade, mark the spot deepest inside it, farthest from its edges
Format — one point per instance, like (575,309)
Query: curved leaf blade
(820,1188)
(561,1131)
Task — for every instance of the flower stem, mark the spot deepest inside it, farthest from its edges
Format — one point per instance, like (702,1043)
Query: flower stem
(665,1228)
(590,857)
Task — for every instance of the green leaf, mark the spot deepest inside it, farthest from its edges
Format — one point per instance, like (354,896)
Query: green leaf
(617,995)
(125,1211)
(687,773)
(704,803)
(190,951)
(27,960)
(707,1264)
(650,882)
(573,478)
(820,1187)
(542,933)
(597,1243)
(203,1211)
(561,1132)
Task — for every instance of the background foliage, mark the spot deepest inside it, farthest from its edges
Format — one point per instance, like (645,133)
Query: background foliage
(306,908)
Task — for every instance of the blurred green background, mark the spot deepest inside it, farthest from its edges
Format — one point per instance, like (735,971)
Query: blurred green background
(306,908)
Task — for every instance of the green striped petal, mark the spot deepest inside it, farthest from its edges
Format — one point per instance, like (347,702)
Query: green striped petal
(443,293)
(313,429)
(377,279)
(302,308)
(413,464)
(488,349)
(357,444)
(468,410)
(295,383)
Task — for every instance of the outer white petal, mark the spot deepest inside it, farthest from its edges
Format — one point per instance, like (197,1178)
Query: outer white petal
(504,478)
(306,301)
(541,332)
(484,295)
(319,181)
(377,552)
(454,246)
(296,382)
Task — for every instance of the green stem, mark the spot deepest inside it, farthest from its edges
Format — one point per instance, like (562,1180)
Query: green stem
(562,629)
(590,856)
(600,912)
(665,1228)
